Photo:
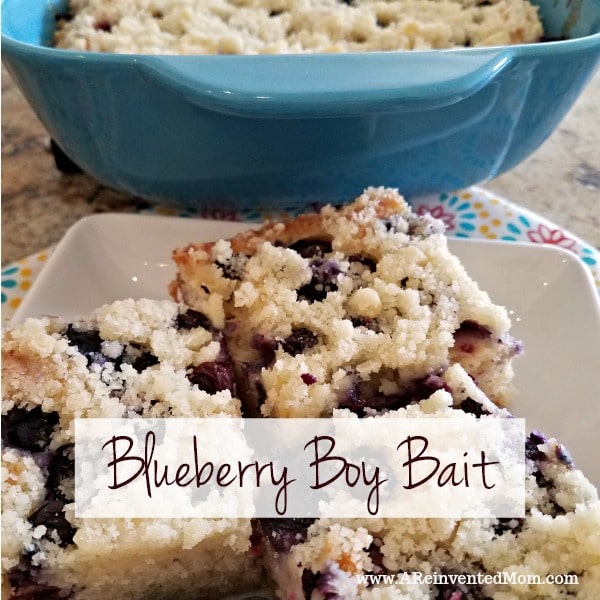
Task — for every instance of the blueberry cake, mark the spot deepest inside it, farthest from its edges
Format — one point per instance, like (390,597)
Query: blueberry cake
(560,534)
(291,26)
(361,307)
(129,359)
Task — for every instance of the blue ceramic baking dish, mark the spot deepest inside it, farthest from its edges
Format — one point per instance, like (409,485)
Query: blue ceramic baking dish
(289,130)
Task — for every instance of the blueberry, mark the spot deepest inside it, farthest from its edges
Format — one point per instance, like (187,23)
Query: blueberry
(424,227)
(229,270)
(541,480)
(376,557)
(362,396)
(144,361)
(391,222)
(516,347)
(513,525)
(39,591)
(266,347)
(299,340)
(353,400)
(63,16)
(532,452)
(538,437)
(550,506)
(23,579)
(323,281)
(312,248)
(103,26)
(324,582)
(424,387)
(328,583)
(466,335)
(471,406)
(256,546)
(325,271)
(309,582)
(367,323)
(459,592)
(87,342)
(368,262)
(314,291)
(192,319)
(28,429)
(61,470)
(563,455)
(283,534)
(473,328)
(212,377)
(379,401)
(51,514)
(261,393)
(252,389)
(23,573)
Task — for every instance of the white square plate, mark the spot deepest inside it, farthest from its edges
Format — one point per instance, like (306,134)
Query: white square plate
(548,291)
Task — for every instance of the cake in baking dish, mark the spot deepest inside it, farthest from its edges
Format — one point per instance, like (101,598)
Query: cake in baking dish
(292,26)
(361,307)
(128,359)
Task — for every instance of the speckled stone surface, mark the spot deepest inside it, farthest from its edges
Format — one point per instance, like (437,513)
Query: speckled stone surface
(560,181)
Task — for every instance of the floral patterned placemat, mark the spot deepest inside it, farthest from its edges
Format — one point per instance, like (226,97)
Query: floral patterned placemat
(470,213)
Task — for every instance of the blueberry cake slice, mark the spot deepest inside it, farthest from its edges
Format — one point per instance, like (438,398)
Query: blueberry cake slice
(560,534)
(128,359)
(361,307)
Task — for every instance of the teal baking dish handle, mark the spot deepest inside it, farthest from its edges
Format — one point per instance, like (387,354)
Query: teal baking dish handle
(414,81)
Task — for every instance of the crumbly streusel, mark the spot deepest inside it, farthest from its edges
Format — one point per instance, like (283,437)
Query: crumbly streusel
(291,26)
(355,307)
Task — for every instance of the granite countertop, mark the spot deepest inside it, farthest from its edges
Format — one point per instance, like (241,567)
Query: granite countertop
(560,181)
